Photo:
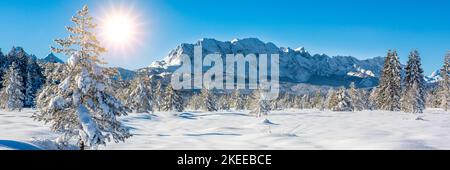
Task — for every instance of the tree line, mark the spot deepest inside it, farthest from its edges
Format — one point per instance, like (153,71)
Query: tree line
(81,100)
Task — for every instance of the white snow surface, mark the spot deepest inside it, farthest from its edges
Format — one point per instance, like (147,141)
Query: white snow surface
(288,129)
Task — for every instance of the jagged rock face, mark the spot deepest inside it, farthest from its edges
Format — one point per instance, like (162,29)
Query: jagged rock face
(296,66)
(51,58)
(125,74)
(435,77)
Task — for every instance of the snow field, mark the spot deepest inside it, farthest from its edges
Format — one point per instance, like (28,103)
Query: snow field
(288,129)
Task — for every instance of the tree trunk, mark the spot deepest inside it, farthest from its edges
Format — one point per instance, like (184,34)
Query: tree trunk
(82,146)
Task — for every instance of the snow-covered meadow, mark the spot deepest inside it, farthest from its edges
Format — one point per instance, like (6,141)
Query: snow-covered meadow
(288,129)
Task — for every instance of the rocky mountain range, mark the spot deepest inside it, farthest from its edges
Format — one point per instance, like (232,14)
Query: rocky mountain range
(297,66)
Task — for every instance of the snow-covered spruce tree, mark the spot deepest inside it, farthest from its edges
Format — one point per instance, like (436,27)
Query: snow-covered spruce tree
(365,93)
(344,103)
(275,104)
(2,67)
(356,97)
(140,97)
(158,96)
(416,102)
(332,99)
(54,72)
(283,101)
(304,102)
(224,102)
(296,101)
(209,100)
(432,99)
(444,85)
(29,70)
(372,99)
(172,100)
(11,94)
(389,89)
(262,105)
(34,81)
(413,99)
(83,107)
(237,100)
(252,100)
(195,102)
(317,100)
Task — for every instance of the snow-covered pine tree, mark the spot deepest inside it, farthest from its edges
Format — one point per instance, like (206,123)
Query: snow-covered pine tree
(11,94)
(209,100)
(444,85)
(413,99)
(356,97)
(332,99)
(2,67)
(172,100)
(195,102)
(344,103)
(237,100)
(432,99)
(304,101)
(140,98)
(262,105)
(277,104)
(390,89)
(83,107)
(416,102)
(283,101)
(29,70)
(372,99)
(317,101)
(34,81)
(224,102)
(54,72)
(365,93)
(296,101)
(158,96)
(250,100)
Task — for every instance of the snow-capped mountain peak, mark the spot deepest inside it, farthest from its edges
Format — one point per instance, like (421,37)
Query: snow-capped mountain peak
(360,72)
(300,49)
(296,66)
(51,58)
(434,77)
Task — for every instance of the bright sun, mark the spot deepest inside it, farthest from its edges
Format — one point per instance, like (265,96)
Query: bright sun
(119,29)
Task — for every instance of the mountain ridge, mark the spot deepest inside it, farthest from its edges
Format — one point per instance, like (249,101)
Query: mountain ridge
(296,65)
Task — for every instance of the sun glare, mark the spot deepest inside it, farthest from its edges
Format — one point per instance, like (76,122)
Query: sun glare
(119,28)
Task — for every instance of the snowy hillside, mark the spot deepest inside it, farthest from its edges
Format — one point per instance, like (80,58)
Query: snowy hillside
(290,129)
(296,65)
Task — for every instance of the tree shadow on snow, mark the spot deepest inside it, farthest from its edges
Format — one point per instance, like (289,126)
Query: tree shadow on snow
(189,116)
(16,145)
(214,134)
(268,122)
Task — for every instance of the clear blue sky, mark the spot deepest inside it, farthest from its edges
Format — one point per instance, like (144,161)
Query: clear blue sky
(362,29)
